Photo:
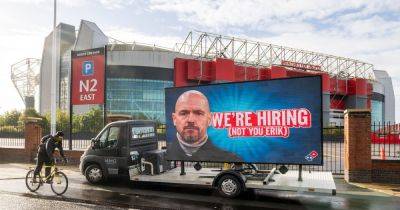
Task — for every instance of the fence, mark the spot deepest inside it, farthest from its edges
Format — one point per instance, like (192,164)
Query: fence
(12,136)
(385,139)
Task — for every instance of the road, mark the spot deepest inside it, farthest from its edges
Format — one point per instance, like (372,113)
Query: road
(122,194)
(27,201)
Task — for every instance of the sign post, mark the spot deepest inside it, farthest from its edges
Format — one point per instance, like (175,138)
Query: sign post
(87,79)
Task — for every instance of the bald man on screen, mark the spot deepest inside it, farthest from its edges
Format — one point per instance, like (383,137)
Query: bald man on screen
(191,118)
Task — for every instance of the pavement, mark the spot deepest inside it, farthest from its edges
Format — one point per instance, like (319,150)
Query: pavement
(123,194)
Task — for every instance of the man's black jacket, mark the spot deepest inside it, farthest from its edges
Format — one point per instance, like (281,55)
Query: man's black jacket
(207,152)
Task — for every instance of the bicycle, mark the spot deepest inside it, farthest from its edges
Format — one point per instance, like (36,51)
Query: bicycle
(57,180)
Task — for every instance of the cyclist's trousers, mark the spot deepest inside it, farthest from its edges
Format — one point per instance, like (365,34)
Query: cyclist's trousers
(43,159)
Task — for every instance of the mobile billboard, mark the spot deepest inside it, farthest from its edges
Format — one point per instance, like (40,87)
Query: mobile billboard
(270,121)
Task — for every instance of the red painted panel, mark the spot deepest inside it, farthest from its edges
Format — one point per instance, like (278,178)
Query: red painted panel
(198,70)
(239,73)
(361,86)
(180,72)
(264,73)
(325,82)
(358,86)
(351,85)
(295,73)
(337,103)
(224,70)
(245,73)
(277,72)
(251,73)
(338,86)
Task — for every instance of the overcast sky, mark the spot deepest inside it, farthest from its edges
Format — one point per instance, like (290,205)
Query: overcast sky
(359,29)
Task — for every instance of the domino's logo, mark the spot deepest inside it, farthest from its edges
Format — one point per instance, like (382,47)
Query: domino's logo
(87,68)
(311,156)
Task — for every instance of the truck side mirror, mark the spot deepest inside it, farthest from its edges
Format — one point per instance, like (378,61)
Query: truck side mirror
(94,143)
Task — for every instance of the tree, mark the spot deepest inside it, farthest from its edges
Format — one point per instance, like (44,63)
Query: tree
(11,117)
(62,121)
(91,122)
(2,122)
(31,113)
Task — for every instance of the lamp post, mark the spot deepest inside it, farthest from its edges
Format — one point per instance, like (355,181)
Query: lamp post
(54,75)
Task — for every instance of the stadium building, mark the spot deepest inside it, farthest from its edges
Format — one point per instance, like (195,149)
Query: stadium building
(136,74)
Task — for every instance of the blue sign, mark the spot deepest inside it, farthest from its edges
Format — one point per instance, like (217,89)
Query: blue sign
(270,121)
(87,68)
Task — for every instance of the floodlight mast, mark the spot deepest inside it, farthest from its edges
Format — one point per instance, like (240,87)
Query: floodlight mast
(24,76)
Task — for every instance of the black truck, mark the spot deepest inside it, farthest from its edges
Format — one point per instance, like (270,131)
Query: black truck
(111,151)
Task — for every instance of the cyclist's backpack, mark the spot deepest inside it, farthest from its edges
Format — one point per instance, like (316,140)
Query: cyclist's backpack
(43,141)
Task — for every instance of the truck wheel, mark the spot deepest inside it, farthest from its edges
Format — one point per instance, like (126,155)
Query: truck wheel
(94,174)
(229,186)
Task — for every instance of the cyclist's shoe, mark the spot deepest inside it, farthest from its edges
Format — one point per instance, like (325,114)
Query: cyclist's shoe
(48,181)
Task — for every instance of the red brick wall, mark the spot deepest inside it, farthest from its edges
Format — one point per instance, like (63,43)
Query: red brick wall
(357,146)
(14,155)
(33,134)
(386,171)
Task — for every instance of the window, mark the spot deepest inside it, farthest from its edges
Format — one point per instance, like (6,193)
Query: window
(142,132)
(137,97)
(113,136)
(103,138)
(109,137)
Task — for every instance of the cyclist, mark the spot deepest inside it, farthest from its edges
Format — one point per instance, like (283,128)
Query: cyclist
(45,152)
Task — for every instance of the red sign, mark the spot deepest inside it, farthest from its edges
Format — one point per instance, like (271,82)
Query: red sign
(300,65)
(88,69)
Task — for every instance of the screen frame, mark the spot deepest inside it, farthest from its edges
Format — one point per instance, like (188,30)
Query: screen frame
(256,81)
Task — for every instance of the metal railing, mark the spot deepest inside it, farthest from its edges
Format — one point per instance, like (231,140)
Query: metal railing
(385,141)
(12,136)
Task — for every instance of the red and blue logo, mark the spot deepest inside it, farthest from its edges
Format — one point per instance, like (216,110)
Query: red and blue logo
(311,156)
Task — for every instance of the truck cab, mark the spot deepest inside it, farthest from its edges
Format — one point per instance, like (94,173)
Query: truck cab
(110,151)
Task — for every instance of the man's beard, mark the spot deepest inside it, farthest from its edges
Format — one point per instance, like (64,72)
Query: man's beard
(191,139)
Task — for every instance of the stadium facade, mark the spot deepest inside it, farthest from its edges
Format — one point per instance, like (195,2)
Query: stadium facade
(136,74)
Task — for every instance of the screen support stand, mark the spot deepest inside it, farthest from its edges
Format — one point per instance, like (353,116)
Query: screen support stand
(183,168)
(300,171)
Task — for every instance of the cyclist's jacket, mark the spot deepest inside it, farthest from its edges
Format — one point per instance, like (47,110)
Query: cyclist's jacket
(48,145)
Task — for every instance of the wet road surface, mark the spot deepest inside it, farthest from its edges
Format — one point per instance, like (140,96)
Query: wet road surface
(122,194)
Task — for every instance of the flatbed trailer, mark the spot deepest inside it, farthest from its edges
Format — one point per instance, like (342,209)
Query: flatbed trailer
(139,158)
(313,181)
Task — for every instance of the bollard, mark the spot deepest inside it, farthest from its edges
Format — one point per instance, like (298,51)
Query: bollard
(382,153)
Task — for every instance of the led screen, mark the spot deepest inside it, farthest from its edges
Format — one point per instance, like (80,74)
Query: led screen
(270,121)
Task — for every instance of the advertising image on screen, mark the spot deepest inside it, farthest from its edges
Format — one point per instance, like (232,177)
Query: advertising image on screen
(270,121)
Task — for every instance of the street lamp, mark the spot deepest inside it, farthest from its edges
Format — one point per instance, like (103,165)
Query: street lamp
(53,75)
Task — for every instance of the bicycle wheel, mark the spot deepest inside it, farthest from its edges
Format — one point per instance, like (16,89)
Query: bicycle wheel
(59,183)
(32,186)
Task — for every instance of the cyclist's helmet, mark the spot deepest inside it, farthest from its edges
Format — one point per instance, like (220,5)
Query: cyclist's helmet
(60,133)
